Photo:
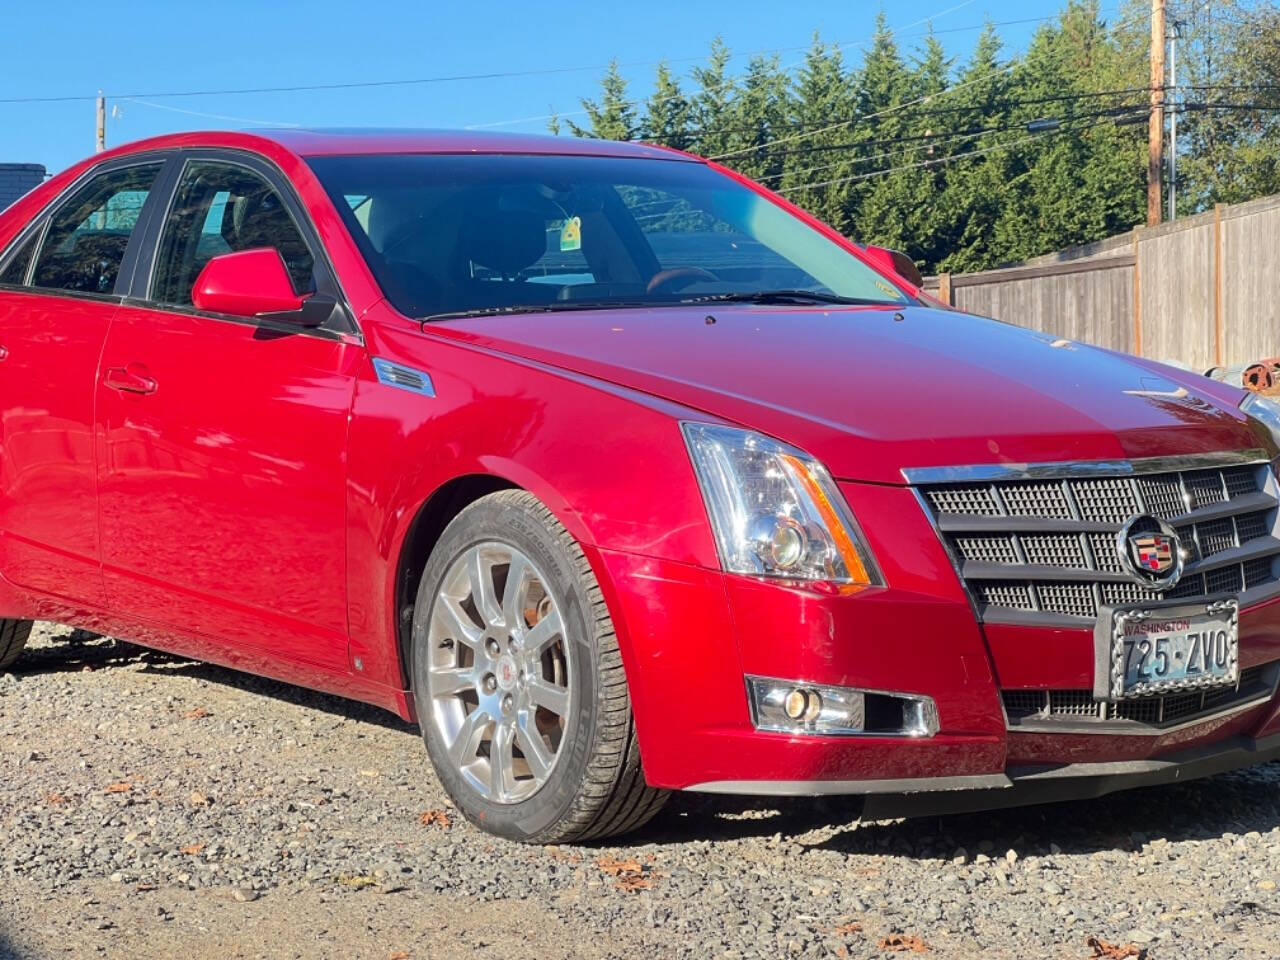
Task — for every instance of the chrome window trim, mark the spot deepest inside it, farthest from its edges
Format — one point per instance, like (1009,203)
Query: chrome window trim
(1075,469)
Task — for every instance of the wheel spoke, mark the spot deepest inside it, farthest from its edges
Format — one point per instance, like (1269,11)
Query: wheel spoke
(457,625)
(483,594)
(550,697)
(542,633)
(533,747)
(463,749)
(501,761)
(513,595)
(446,681)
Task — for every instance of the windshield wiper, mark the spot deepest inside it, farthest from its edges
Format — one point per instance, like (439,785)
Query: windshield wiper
(558,306)
(782,296)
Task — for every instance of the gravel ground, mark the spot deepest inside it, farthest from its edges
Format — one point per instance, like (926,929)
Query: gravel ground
(154,806)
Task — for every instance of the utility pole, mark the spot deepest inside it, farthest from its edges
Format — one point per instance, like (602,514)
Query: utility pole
(1155,123)
(101,143)
(1174,37)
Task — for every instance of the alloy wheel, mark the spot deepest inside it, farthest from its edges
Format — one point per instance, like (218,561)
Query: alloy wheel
(499,672)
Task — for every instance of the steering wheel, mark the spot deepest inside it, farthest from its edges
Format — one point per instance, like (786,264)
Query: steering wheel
(673,278)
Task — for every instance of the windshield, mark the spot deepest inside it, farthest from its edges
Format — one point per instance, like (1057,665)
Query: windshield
(447,234)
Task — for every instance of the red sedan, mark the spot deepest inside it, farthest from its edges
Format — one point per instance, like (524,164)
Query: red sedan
(619,474)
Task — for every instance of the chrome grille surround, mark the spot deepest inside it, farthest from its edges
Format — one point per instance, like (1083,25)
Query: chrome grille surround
(1059,522)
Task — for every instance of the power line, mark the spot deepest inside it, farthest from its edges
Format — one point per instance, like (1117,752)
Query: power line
(930,141)
(1000,106)
(201,113)
(933,161)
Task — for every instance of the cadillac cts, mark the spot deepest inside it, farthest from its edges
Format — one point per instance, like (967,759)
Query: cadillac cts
(619,474)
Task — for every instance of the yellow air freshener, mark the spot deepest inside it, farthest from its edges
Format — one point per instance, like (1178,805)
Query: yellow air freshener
(571,235)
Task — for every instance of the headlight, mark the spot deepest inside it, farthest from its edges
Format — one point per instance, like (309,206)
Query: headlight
(1264,410)
(775,510)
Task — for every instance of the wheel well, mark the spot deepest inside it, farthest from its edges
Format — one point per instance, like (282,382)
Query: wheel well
(424,533)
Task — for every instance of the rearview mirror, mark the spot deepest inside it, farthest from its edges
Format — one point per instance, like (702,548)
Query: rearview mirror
(896,262)
(250,283)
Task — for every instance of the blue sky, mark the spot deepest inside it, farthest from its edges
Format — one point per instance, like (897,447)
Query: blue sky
(73,49)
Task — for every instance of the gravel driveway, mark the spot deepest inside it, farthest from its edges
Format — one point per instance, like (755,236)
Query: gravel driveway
(153,806)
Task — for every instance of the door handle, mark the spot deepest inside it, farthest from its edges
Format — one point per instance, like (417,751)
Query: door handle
(131,379)
(4,353)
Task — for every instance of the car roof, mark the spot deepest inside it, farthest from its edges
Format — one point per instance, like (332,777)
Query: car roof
(309,142)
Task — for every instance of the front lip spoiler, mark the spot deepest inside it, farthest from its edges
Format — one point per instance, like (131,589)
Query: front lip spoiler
(1018,786)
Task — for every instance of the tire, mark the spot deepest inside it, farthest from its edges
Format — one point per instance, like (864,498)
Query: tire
(551,687)
(13,640)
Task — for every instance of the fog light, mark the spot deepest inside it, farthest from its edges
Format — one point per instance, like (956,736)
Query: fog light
(796,704)
(782,705)
(785,706)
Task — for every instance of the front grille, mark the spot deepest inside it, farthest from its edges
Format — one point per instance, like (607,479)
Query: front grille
(1028,707)
(1043,549)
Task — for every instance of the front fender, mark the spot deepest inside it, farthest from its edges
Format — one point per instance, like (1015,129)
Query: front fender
(610,463)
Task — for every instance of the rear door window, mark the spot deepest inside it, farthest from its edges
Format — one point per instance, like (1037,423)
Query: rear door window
(87,236)
(15,271)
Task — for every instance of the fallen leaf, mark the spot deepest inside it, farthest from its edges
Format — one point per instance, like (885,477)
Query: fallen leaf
(435,818)
(368,773)
(901,943)
(399,955)
(1102,950)
(846,928)
(54,799)
(199,713)
(356,881)
(194,850)
(619,867)
(631,875)
(122,787)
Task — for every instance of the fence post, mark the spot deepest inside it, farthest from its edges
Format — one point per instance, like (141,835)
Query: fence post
(1217,285)
(1137,296)
(944,289)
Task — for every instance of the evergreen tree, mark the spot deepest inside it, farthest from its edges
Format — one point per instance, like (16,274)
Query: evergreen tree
(710,106)
(666,119)
(757,115)
(613,117)
(821,110)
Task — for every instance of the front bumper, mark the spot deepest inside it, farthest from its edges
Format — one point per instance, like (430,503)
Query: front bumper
(1018,786)
(690,635)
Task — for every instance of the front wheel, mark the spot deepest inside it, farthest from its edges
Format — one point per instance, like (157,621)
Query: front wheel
(519,683)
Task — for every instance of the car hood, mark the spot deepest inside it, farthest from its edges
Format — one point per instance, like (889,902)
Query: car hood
(872,391)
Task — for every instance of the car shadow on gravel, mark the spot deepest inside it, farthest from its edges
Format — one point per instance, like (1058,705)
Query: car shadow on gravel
(1233,803)
(83,651)
(1227,804)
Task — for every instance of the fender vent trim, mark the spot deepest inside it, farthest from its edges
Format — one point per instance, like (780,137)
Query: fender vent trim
(406,378)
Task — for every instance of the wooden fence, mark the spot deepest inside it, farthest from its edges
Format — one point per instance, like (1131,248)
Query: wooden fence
(1203,291)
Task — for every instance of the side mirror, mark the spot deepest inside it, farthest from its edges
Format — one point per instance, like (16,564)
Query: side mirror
(896,262)
(250,283)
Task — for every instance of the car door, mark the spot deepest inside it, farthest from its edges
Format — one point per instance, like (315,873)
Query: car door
(58,292)
(223,464)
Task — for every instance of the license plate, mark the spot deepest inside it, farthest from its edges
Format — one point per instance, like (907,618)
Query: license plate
(1167,649)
